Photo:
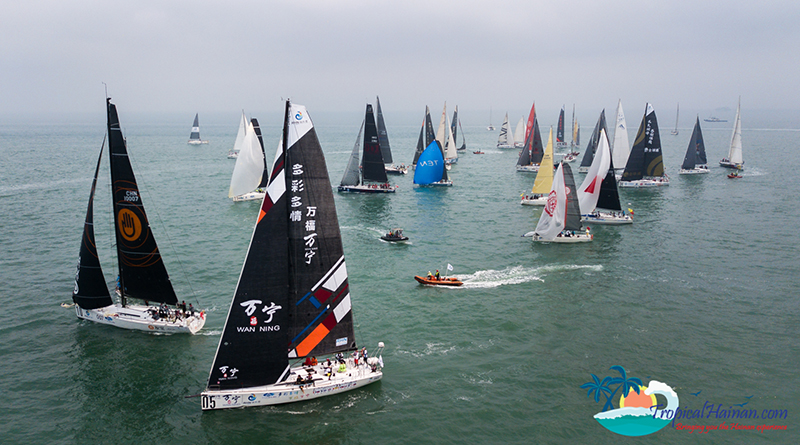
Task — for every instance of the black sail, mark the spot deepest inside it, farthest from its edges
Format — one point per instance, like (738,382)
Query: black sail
(427,130)
(591,147)
(142,271)
(265,175)
(653,161)
(573,221)
(454,125)
(91,291)
(560,128)
(609,195)
(292,299)
(383,137)
(372,166)
(537,149)
(696,151)
(524,156)
(195,134)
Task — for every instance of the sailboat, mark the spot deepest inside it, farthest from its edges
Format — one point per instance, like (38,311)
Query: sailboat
(591,147)
(531,155)
(695,160)
(249,175)
(734,159)
(292,300)
(455,125)
(194,136)
(370,177)
(519,133)
(645,167)
(677,114)
(544,178)
(383,139)
(142,275)
(560,221)
(426,136)
(490,127)
(505,139)
(560,142)
(430,169)
(444,135)
(238,143)
(599,189)
(576,132)
(621,148)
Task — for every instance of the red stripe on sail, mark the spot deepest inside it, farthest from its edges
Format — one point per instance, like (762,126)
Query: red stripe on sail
(590,188)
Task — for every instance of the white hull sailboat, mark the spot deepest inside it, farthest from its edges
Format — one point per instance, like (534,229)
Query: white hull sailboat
(292,300)
(194,136)
(695,162)
(677,115)
(735,159)
(544,178)
(645,166)
(249,174)
(142,275)
(383,139)
(560,221)
(599,190)
(505,139)
(369,174)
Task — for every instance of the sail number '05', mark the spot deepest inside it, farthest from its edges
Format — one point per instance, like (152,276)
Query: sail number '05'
(208,402)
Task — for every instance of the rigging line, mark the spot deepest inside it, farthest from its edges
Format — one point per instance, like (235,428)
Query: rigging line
(163,226)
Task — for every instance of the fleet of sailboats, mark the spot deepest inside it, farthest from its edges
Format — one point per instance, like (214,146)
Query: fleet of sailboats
(142,277)
(292,300)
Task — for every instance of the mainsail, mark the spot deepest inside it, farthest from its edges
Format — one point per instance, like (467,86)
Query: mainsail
(292,294)
(560,127)
(645,158)
(351,176)
(544,177)
(591,147)
(383,137)
(427,131)
(141,271)
(553,217)
(696,151)
(91,291)
(372,164)
(249,168)
(519,133)
(573,211)
(502,138)
(621,147)
(735,152)
(589,191)
(195,134)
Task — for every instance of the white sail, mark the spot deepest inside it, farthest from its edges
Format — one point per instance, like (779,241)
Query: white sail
(249,165)
(554,215)
(451,151)
(237,144)
(735,152)
(589,191)
(502,139)
(519,133)
(441,136)
(621,148)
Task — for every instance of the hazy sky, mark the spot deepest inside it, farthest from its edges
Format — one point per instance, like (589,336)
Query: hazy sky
(216,56)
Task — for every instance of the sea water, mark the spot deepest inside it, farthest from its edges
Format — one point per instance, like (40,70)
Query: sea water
(700,292)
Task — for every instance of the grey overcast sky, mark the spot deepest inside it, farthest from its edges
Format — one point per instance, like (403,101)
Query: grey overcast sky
(201,55)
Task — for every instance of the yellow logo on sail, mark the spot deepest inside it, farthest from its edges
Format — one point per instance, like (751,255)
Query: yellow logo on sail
(130,227)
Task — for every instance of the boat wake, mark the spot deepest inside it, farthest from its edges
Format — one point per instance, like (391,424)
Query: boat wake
(484,279)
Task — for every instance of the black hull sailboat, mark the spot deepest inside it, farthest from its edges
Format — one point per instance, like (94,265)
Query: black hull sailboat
(292,300)
(142,274)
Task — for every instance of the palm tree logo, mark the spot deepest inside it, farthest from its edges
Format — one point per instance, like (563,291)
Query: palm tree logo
(638,413)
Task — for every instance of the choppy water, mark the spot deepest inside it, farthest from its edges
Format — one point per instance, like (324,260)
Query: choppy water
(700,293)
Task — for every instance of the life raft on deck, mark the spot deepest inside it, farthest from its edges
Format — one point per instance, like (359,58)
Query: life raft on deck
(443,281)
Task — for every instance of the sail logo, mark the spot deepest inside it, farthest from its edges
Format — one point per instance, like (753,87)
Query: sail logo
(250,307)
(130,227)
(639,412)
(550,207)
(298,116)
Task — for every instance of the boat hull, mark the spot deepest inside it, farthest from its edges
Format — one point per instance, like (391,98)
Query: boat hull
(530,201)
(289,392)
(645,183)
(196,142)
(576,238)
(369,188)
(693,171)
(532,168)
(728,164)
(395,170)
(504,146)
(446,281)
(394,239)
(605,218)
(438,184)
(252,196)
(139,318)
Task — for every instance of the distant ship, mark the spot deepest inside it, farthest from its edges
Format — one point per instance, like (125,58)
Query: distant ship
(714,119)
